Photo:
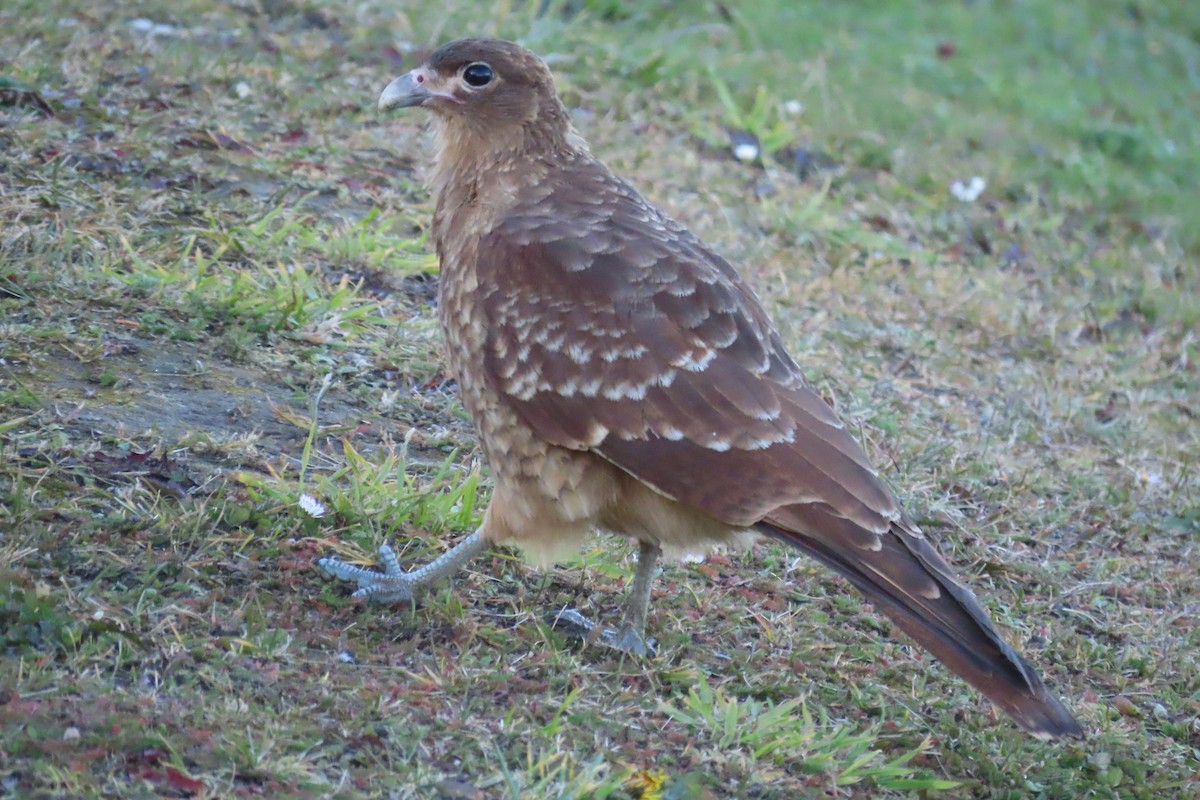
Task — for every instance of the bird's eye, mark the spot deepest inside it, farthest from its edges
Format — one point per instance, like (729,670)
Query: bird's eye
(478,74)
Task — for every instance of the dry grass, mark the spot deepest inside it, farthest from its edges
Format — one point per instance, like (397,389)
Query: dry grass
(215,297)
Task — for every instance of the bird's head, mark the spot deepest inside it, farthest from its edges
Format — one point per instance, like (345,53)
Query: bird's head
(484,88)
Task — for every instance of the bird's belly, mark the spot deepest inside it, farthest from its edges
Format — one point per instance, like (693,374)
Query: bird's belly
(546,499)
(680,531)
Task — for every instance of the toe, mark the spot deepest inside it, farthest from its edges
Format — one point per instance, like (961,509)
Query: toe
(571,622)
(634,643)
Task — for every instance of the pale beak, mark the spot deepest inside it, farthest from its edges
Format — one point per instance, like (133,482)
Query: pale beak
(405,91)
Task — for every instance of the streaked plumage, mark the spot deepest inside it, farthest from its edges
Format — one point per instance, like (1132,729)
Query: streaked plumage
(622,377)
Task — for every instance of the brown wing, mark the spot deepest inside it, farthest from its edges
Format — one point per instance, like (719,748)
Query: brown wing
(612,328)
(620,332)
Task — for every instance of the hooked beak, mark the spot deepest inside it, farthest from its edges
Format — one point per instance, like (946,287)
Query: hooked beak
(405,91)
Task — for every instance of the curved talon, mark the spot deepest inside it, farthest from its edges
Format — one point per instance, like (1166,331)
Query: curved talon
(627,640)
(576,626)
(571,623)
(389,585)
(391,565)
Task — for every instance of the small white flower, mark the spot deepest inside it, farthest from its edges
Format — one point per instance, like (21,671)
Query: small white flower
(142,25)
(242,89)
(793,108)
(746,151)
(968,192)
(312,506)
(1150,477)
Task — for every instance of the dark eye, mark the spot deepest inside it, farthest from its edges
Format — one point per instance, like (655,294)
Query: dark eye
(478,74)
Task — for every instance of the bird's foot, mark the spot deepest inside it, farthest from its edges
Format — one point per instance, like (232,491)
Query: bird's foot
(627,639)
(392,585)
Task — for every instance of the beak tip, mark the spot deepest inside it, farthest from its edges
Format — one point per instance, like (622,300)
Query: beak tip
(402,93)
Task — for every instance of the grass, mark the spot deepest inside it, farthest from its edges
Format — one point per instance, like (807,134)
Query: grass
(215,298)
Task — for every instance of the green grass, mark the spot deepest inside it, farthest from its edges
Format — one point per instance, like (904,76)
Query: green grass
(215,298)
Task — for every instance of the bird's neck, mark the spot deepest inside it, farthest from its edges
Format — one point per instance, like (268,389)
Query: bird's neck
(463,153)
(469,150)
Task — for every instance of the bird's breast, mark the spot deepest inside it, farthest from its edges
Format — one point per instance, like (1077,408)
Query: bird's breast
(513,452)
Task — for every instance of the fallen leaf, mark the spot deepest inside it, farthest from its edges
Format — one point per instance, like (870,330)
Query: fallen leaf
(1126,707)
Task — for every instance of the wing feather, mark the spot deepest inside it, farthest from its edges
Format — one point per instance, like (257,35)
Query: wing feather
(624,322)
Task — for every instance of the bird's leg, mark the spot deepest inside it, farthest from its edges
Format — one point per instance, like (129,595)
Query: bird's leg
(393,584)
(631,637)
(639,593)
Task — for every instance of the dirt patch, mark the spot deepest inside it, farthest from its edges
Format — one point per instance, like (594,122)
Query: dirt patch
(159,395)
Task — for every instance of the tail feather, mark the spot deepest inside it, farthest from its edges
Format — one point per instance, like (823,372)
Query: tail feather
(901,573)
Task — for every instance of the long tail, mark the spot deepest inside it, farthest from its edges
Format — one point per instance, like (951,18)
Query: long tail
(903,576)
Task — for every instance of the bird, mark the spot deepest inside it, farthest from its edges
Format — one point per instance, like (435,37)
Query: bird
(623,378)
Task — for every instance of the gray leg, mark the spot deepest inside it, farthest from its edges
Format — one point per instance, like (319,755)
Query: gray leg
(639,593)
(394,585)
(631,638)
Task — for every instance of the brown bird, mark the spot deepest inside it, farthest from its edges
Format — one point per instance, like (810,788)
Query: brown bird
(622,377)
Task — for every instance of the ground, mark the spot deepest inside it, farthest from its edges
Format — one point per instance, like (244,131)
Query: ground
(217,297)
